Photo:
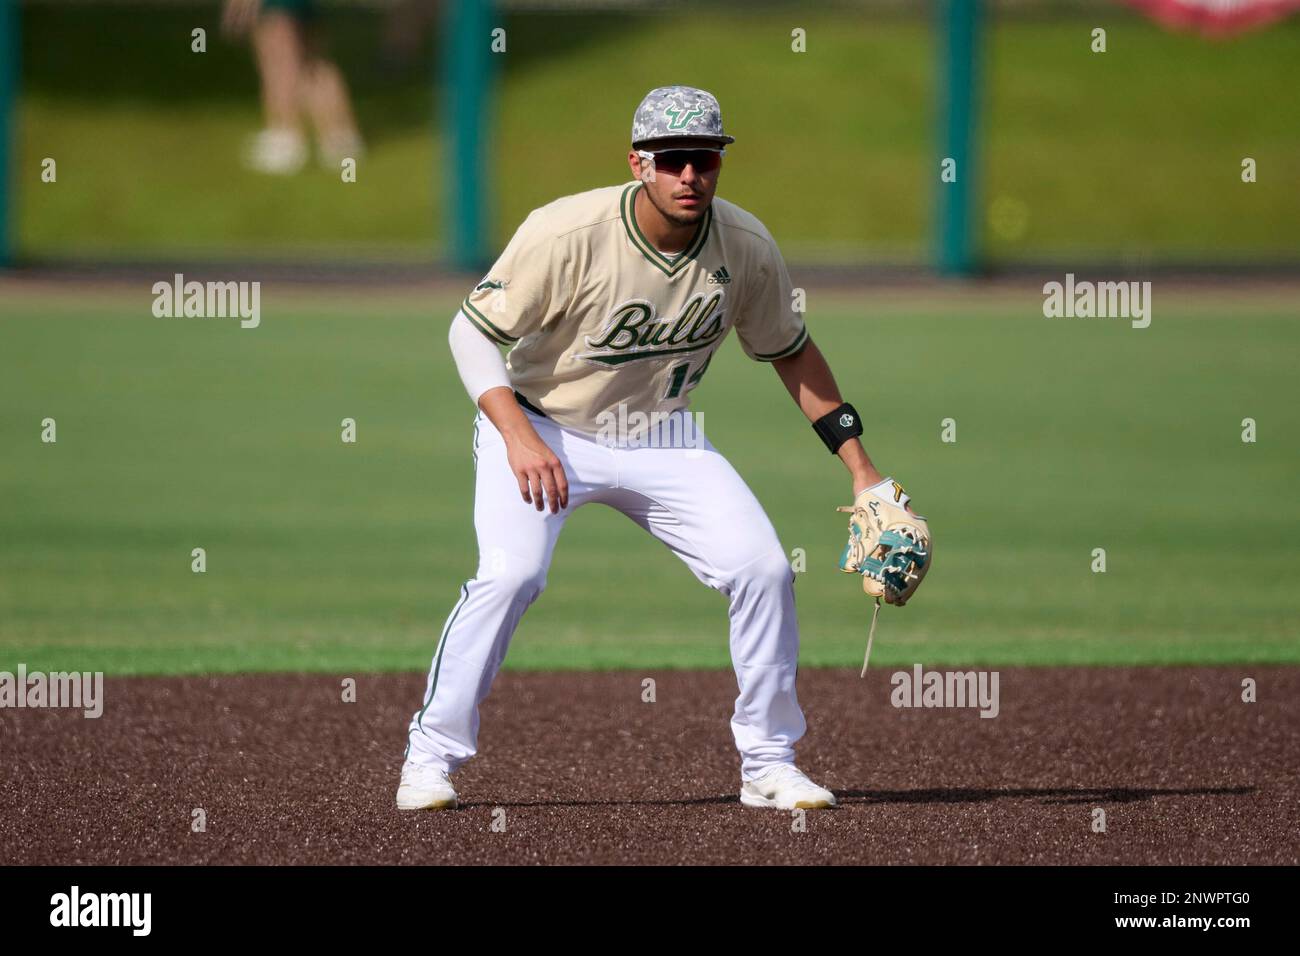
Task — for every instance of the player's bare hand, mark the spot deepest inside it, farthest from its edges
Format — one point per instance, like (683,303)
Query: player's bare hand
(540,474)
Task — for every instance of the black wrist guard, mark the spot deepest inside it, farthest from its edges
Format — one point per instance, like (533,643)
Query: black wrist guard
(837,427)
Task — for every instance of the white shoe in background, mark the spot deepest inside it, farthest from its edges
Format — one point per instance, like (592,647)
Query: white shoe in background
(276,152)
(336,147)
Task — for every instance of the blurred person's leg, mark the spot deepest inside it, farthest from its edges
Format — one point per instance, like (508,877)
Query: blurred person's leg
(297,79)
(325,96)
(279,45)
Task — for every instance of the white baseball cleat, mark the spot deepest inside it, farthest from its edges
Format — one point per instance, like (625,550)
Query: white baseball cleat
(425,788)
(784,787)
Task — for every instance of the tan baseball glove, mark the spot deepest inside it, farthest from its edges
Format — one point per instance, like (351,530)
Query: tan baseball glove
(888,545)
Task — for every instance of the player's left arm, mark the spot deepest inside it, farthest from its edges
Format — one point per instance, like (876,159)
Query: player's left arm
(771,329)
(811,384)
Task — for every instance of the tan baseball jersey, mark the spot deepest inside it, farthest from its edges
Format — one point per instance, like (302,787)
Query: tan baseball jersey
(597,317)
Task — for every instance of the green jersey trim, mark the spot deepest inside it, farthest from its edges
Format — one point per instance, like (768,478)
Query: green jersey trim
(669,267)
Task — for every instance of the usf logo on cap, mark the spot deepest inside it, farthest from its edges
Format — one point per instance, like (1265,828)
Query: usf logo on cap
(678,118)
(668,112)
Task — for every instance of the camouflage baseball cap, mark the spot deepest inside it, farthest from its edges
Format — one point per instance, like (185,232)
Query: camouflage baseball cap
(672,111)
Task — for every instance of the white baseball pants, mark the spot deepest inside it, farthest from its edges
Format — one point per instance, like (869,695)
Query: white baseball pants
(693,501)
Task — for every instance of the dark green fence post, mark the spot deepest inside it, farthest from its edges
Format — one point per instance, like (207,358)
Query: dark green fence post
(8,125)
(956,241)
(466,127)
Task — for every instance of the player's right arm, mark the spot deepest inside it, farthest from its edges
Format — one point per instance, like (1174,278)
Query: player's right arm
(487,382)
(539,472)
(523,289)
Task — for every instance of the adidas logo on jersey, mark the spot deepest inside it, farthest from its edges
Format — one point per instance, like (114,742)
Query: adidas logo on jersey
(721,277)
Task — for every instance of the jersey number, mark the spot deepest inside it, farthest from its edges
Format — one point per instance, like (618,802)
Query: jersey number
(679,377)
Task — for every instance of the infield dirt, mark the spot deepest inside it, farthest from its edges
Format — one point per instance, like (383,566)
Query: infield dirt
(581,771)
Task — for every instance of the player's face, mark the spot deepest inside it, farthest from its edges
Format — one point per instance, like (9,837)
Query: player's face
(681,195)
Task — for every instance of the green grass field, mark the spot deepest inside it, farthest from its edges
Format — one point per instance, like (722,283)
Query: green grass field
(1071,435)
(1133,153)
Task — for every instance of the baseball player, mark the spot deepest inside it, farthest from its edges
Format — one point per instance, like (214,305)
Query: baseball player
(612,303)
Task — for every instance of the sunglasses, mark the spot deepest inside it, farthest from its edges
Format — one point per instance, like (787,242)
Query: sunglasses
(673,161)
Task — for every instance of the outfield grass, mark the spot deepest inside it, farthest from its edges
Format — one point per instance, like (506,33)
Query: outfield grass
(1132,153)
(1072,435)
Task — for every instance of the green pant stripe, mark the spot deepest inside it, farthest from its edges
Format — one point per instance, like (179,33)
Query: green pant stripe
(437,660)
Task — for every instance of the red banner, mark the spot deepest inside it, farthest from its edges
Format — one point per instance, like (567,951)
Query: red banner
(1215,17)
